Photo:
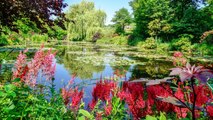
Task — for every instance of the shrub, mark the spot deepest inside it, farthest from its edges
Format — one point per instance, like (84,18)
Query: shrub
(203,49)
(56,32)
(182,44)
(39,37)
(132,40)
(163,48)
(24,26)
(149,43)
(117,40)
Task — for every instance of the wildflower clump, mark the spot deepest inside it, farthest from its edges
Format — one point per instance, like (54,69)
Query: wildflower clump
(27,71)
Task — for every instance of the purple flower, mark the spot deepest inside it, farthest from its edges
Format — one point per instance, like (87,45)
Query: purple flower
(188,72)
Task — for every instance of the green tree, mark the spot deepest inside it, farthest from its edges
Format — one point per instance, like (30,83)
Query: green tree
(151,16)
(167,20)
(84,21)
(121,19)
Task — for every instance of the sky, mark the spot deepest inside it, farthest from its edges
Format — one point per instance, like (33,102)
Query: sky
(109,6)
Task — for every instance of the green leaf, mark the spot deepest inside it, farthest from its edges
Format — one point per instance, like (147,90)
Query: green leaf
(85,113)
(210,86)
(11,107)
(9,88)
(16,80)
(13,94)
(148,117)
(2,94)
(81,118)
(162,116)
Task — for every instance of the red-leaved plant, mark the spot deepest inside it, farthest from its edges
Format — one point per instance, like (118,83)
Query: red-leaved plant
(191,74)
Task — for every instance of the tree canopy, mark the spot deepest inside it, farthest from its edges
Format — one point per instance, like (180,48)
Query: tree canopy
(38,11)
(168,19)
(84,21)
(121,19)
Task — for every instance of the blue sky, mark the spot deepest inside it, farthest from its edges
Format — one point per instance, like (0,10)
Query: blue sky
(109,6)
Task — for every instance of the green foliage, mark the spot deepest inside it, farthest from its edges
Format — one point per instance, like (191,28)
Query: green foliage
(118,40)
(182,44)
(24,25)
(9,37)
(166,19)
(151,16)
(121,19)
(118,109)
(84,21)
(149,43)
(83,115)
(203,48)
(18,101)
(161,117)
(39,37)
(163,48)
(56,32)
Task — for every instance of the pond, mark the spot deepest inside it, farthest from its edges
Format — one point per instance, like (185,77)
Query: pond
(87,63)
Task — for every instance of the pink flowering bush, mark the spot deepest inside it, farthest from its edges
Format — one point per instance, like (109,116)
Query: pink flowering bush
(27,71)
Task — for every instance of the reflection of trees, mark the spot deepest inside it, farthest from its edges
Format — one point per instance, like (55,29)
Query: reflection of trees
(81,69)
(152,69)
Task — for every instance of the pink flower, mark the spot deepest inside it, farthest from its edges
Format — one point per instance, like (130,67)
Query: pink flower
(28,71)
(178,54)
(20,66)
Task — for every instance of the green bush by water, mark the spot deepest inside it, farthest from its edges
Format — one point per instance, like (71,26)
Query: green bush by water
(182,44)
(118,40)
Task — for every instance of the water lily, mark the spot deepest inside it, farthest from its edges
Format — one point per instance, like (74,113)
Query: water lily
(188,72)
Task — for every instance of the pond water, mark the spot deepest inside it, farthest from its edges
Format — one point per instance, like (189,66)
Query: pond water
(89,62)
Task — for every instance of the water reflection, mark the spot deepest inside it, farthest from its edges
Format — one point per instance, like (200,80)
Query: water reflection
(78,67)
(90,61)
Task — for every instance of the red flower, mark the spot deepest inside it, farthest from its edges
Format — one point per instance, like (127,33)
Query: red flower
(210,110)
(133,93)
(181,112)
(66,95)
(92,104)
(98,116)
(76,98)
(102,90)
(108,109)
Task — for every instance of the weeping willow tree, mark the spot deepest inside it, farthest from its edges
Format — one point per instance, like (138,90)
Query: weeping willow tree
(84,21)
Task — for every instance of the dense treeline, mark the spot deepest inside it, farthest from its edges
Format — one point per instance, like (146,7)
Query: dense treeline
(168,19)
